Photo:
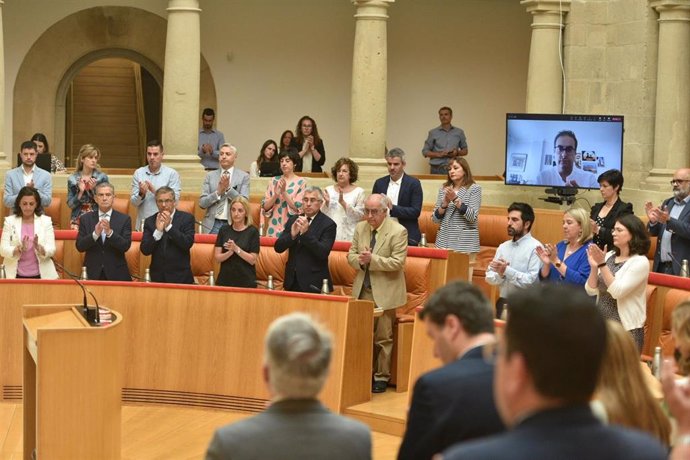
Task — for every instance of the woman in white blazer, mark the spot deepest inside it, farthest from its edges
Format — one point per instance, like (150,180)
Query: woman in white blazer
(28,240)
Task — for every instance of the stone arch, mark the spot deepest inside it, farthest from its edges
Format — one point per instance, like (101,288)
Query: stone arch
(71,44)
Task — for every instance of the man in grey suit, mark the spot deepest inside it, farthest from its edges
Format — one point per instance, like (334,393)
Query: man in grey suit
(221,186)
(29,174)
(296,425)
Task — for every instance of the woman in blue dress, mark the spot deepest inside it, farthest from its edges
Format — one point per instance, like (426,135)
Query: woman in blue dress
(566,262)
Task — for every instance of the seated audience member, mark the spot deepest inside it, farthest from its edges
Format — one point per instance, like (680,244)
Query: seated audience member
(283,198)
(42,148)
(453,403)
(516,264)
(266,164)
(295,425)
(404,194)
(308,145)
(237,246)
(168,237)
(344,201)
(619,277)
(677,395)
(623,390)
(547,368)
(567,262)
(81,185)
(309,238)
(28,240)
(681,335)
(604,214)
(286,142)
(27,174)
(105,235)
(457,209)
(221,185)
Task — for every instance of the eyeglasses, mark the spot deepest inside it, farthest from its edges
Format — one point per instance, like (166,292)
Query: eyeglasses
(168,201)
(372,212)
(678,181)
(566,149)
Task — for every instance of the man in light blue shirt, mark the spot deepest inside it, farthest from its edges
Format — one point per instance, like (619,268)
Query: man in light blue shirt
(148,179)
(210,141)
(27,174)
(516,264)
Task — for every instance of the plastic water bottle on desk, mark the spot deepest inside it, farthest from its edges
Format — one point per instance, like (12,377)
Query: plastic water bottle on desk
(684,269)
(147,275)
(324,287)
(84,276)
(211,278)
(269,283)
(3,273)
(422,241)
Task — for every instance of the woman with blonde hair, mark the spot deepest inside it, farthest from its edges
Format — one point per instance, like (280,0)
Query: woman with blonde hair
(81,185)
(623,391)
(566,262)
(237,246)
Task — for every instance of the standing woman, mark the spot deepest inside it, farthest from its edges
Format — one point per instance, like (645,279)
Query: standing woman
(81,185)
(620,276)
(567,261)
(344,202)
(237,247)
(604,214)
(267,155)
(283,196)
(42,148)
(457,209)
(28,240)
(309,145)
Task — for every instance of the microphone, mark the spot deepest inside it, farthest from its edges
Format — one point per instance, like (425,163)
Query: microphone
(673,259)
(201,224)
(314,288)
(96,318)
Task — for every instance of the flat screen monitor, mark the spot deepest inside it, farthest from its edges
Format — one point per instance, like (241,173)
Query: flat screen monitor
(547,150)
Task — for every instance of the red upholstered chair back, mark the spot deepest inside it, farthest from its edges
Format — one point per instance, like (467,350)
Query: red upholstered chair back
(271,263)
(417,272)
(672,299)
(55,211)
(203,262)
(186,206)
(121,205)
(133,257)
(342,274)
(648,346)
(59,256)
(428,227)
(255,212)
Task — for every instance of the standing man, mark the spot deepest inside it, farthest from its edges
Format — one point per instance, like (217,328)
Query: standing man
(309,239)
(219,187)
(670,223)
(148,179)
(566,173)
(516,264)
(404,194)
(544,397)
(210,141)
(105,235)
(454,403)
(444,142)
(168,237)
(378,253)
(295,425)
(27,174)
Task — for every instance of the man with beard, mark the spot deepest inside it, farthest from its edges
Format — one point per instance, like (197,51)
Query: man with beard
(566,173)
(670,222)
(516,263)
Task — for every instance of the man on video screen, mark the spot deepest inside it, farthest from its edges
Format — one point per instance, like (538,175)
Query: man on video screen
(566,173)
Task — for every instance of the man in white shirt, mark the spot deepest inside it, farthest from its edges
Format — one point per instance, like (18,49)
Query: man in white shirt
(516,263)
(566,173)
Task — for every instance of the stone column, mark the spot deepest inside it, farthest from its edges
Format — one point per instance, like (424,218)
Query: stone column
(672,124)
(5,162)
(544,78)
(181,85)
(369,87)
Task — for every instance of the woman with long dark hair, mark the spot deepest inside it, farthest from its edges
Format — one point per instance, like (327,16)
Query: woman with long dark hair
(309,146)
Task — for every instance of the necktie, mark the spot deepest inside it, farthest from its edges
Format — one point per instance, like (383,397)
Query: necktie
(220,210)
(103,216)
(367,280)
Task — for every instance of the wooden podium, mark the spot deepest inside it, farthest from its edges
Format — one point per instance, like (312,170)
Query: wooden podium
(72,384)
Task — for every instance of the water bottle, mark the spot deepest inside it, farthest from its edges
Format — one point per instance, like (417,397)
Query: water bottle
(261,229)
(656,363)
(684,269)
(211,278)
(84,276)
(504,313)
(324,287)
(422,241)
(147,276)
(141,229)
(269,283)
(3,274)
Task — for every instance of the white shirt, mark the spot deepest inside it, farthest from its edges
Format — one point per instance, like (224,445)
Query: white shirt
(157,234)
(222,210)
(393,191)
(28,177)
(584,179)
(103,215)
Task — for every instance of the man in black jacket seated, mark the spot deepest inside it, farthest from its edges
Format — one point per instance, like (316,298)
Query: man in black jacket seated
(310,238)
(547,368)
(454,403)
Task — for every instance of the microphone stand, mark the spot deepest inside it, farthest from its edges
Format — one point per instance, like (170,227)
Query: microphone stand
(93,319)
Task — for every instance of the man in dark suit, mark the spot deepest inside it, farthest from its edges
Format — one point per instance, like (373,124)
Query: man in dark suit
(168,238)
(296,425)
(453,403)
(670,223)
(405,195)
(547,369)
(105,235)
(309,237)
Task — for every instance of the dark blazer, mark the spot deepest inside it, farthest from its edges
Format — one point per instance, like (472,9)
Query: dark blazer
(105,257)
(680,238)
(449,405)
(308,258)
(170,261)
(620,208)
(568,433)
(409,205)
(292,429)
(315,165)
